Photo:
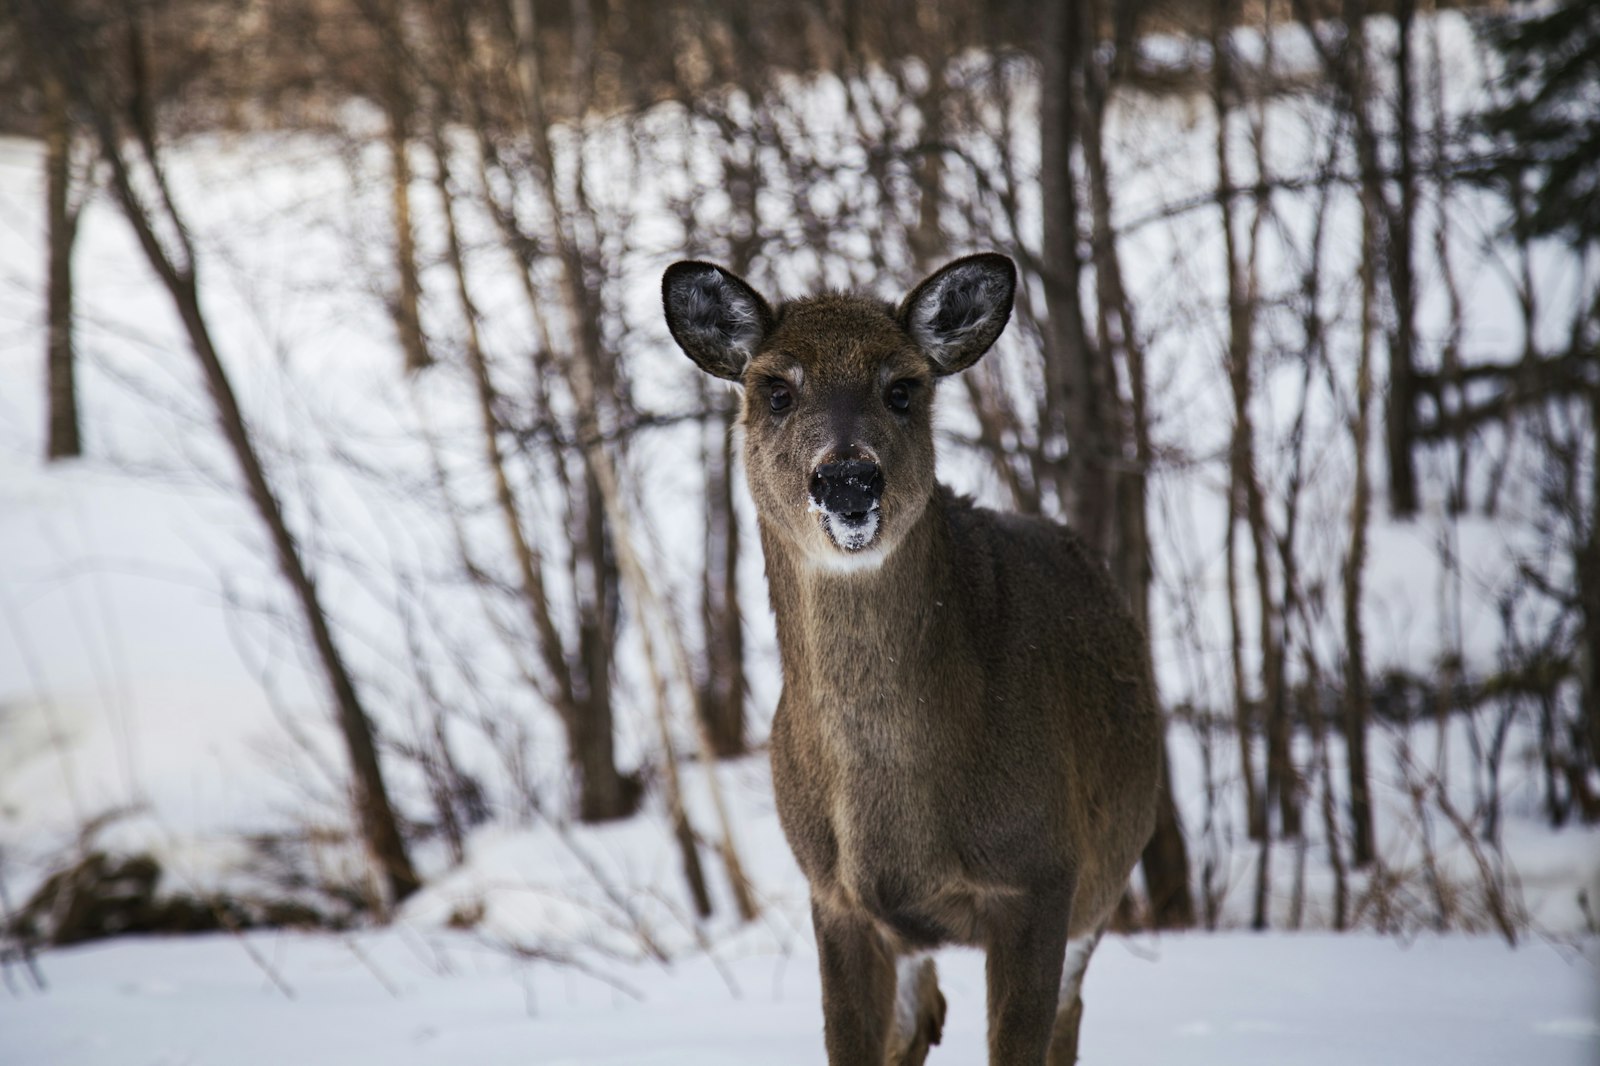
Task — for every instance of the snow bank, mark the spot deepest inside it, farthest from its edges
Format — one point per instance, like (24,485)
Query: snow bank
(422,997)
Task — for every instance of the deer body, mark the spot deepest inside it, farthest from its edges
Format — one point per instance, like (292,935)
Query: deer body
(966,745)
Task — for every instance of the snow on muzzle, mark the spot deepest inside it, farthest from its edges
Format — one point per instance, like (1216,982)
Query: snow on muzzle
(847,492)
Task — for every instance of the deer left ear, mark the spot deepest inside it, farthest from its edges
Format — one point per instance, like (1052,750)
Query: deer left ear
(959,311)
(715,316)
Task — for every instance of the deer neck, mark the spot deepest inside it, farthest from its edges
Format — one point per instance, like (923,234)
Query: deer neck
(862,639)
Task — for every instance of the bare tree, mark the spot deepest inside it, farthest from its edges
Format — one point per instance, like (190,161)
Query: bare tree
(396,93)
(1102,484)
(1401,417)
(1357,697)
(406,301)
(62,38)
(63,438)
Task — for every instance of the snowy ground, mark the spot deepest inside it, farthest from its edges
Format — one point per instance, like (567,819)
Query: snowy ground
(409,997)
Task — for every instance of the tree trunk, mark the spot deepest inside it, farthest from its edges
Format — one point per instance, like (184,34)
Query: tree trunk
(1323,765)
(1076,400)
(1357,699)
(603,792)
(1401,419)
(1349,72)
(63,439)
(1240,326)
(1588,568)
(407,300)
(1165,860)
(722,695)
(1247,500)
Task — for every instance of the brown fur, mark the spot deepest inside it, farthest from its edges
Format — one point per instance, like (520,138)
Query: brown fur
(965,750)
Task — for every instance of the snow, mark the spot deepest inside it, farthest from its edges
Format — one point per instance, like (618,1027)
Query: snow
(410,996)
(852,536)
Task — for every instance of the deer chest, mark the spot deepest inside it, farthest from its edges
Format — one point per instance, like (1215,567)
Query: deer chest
(868,815)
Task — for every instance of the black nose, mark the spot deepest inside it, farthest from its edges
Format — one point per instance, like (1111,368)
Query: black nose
(849,487)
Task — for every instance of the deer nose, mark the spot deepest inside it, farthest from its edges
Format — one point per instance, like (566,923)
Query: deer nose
(849,487)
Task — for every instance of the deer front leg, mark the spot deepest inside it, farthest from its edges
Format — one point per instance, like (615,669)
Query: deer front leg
(858,980)
(1026,949)
(1069,1012)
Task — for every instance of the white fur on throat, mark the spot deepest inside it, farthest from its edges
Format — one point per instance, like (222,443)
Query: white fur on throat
(842,561)
(864,561)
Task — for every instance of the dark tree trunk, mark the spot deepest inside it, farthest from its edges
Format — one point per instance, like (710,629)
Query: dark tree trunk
(1076,406)
(603,792)
(1165,861)
(1357,701)
(722,695)
(1247,500)
(406,306)
(63,439)
(1588,567)
(1241,451)
(1322,765)
(1348,69)
(1401,420)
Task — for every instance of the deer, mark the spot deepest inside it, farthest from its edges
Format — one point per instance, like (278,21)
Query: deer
(966,746)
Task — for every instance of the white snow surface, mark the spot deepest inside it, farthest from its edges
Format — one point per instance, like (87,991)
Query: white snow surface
(424,997)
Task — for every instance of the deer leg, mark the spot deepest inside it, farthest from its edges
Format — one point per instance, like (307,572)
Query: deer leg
(918,1010)
(1026,949)
(1069,1011)
(858,976)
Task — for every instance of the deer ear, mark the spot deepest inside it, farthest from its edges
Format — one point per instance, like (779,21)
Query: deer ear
(959,311)
(716,318)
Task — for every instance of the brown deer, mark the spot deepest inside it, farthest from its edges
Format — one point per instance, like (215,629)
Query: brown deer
(966,747)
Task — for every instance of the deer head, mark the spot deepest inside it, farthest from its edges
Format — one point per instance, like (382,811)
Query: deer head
(838,394)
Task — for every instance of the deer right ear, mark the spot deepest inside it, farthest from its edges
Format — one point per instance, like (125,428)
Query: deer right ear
(959,311)
(716,318)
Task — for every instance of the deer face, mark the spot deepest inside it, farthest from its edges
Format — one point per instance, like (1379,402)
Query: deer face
(838,394)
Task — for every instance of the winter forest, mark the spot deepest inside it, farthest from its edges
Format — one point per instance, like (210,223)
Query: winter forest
(386,661)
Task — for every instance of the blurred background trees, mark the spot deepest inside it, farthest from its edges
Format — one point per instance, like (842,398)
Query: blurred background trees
(545,158)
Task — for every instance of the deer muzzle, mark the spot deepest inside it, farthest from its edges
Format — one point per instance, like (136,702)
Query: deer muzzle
(848,488)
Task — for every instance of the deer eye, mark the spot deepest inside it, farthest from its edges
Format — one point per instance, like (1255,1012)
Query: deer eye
(778,396)
(899,396)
